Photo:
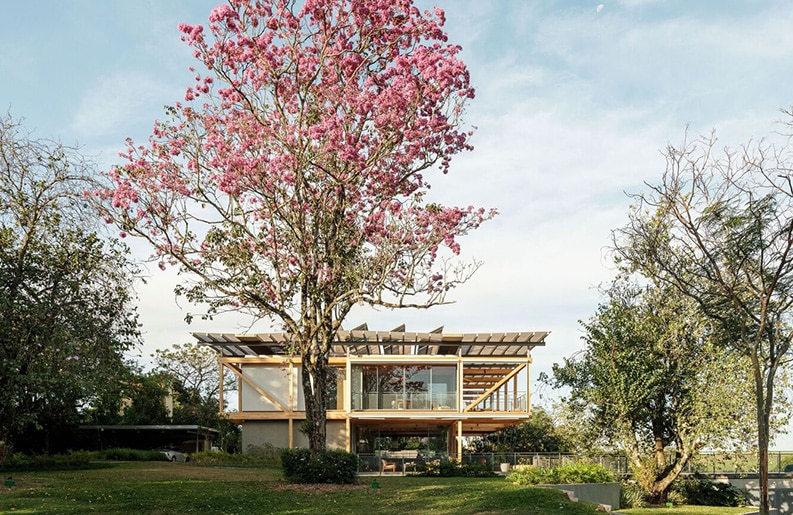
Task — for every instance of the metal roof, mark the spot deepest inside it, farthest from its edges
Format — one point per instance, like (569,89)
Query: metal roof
(397,342)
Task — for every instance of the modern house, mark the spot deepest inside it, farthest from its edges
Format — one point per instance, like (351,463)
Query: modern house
(386,383)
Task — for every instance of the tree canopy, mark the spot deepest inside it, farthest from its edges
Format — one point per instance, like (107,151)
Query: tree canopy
(539,434)
(291,184)
(193,374)
(719,229)
(66,313)
(655,383)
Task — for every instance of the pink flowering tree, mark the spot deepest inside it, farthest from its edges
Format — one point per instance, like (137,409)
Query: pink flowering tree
(291,183)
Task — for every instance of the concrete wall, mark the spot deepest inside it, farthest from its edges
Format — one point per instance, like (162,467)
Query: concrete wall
(780,490)
(598,493)
(336,434)
(274,432)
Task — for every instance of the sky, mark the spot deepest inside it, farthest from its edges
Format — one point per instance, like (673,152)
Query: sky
(575,102)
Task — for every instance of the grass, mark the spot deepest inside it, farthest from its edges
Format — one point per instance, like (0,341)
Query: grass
(165,488)
(686,510)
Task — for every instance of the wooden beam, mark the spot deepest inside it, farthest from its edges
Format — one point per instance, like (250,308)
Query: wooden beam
(496,386)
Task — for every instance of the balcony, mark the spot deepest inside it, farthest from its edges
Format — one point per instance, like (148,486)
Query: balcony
(416,401)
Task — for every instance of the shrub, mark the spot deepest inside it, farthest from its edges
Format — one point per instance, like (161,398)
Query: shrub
(266,455)
(565,474)
(704,492)
(70,461)
(451,468)
(632,495)
(122,454)
(335,466)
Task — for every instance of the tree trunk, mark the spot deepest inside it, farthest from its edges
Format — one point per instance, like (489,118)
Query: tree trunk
(763,398)
(315,372)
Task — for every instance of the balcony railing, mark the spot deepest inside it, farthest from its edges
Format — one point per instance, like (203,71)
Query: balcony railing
(499,402)
(404,401)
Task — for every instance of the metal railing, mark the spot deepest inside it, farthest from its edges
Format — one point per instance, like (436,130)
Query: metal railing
(705,463)
(404,401)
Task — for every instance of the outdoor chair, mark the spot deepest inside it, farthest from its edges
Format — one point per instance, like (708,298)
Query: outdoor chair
(388,466)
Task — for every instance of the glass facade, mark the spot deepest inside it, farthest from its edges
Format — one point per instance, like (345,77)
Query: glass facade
(404,387)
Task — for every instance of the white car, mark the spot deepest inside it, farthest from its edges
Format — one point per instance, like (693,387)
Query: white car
(172,454)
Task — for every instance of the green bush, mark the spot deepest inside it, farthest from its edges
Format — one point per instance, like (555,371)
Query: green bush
(451,468)
(632,495)
(266,455)
(702,491)
(70,461)
(565,474)
(121,454)
(338,467)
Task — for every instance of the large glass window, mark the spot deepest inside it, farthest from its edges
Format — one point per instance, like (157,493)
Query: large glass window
(398,387)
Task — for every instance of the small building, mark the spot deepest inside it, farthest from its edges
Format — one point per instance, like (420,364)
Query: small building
(386,383)
(185,437)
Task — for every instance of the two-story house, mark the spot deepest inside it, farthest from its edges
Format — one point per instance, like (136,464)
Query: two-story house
(388,383)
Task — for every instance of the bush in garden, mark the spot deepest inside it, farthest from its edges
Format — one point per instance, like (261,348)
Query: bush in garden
(121,454)
(565,474)
(335,466)
(451,468)
(702,491)
(72,461)
(632,495)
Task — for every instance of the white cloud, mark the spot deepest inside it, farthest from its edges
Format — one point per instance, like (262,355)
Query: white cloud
(117,102)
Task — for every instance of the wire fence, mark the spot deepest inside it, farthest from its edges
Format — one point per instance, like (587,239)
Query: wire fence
(704,463)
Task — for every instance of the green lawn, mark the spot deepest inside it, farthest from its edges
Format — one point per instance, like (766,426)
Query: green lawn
(687,510)
(167,488)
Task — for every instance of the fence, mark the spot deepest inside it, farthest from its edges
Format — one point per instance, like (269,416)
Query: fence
(706,462)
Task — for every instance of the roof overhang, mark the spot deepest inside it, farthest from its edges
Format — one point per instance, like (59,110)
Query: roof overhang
(362,342)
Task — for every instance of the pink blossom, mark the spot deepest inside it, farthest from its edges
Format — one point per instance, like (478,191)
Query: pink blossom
(300,158)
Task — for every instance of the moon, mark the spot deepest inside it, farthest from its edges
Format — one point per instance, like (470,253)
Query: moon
(600,7)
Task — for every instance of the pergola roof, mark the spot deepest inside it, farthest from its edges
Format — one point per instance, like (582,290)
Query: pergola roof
(361,341)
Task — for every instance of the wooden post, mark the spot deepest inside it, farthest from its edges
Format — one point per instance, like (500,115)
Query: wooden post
(292,406)
(515,392)
(220,392)
(528,384)
(459,441)
(239,394)
(459,382)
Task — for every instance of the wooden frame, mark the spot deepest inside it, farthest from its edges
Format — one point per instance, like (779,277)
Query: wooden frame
(487,368)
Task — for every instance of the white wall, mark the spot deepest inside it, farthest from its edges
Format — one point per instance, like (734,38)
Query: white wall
(273,380)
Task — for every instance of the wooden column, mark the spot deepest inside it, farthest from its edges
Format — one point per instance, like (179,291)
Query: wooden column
(220,392)
(291,405)
(528,384)
(459,441)
(515,391)
(239,394)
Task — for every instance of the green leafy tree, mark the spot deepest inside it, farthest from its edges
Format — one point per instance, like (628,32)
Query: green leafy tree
(144,401)
(195,381)
(655,383)
(719,229)
(66,314)
(538,434)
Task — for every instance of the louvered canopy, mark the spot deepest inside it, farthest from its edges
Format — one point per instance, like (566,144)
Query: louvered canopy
(361,341)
